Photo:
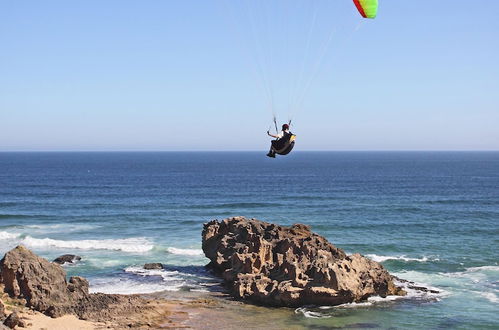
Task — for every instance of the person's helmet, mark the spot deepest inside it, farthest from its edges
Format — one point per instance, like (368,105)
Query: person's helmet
(285,127)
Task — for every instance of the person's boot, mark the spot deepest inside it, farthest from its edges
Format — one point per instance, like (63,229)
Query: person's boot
(271,154)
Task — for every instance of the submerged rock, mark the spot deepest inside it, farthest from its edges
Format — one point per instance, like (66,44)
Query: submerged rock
(290,266)
(153,265)
(67,258)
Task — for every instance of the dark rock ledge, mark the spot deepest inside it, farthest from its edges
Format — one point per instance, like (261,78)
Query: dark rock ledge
(290,266)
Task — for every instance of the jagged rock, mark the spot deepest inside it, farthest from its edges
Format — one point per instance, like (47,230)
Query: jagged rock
(290,266)
(12,320)
(42,286)
(42,283)
(67,258)
(2,311)
(154,265)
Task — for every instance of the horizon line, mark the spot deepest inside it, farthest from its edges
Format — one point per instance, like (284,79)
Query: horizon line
(297,151)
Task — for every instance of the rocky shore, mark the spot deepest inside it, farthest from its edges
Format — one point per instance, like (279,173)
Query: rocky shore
(259,262)
(33,284)
(290,266)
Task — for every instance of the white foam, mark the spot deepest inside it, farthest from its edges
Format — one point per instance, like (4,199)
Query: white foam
(169,281)
(62,227)
(185,252)
(6,236)
(351,305)
(483,268)
(133,245)
(375,299)
(311,314)
(490,296)
(378,258)
(165,274)
(127,286)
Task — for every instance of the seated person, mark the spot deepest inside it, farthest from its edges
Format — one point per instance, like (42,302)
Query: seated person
(280,140)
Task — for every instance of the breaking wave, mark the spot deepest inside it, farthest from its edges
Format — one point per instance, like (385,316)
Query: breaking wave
(133,245)
(185,252)
(378,258)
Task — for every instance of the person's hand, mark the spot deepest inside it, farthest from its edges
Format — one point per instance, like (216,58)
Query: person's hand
(268,132)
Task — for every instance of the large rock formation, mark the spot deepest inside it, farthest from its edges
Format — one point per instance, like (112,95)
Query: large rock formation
(42,285)
(290,266)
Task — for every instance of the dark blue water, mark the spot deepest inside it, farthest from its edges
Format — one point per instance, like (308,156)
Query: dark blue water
(431,217)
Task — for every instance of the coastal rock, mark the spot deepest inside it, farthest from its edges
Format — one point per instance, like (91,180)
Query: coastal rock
(290,266)
(42,286)
(2,311)
(41,283)
(12,321)
(67,259)
(154,265)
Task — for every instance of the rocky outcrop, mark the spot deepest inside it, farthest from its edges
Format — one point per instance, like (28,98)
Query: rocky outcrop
(67,259)
(153,265)
(41,283)
(13,321)
(290,266)
(42,286)
(2,311)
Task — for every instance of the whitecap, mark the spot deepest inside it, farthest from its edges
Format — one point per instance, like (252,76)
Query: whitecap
(6,236)
(378,258)
(490,296)
(351,305)
(185,252)
(311,314)
(128,286)
(133,245)
(483,268)
(165,274)
(61,227)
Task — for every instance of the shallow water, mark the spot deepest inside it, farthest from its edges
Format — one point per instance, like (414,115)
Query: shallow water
(429,217)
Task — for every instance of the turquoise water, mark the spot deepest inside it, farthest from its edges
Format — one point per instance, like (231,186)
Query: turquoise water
(429,217)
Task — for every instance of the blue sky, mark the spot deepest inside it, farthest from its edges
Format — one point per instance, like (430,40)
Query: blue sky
(189,75)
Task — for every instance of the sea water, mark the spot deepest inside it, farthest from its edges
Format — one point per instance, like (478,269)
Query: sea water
(428,217)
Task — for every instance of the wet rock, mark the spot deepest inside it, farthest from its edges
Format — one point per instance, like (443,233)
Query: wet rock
(414,286)
(154,265)
(422,289)
(12,321)
(67,258)
(290,266)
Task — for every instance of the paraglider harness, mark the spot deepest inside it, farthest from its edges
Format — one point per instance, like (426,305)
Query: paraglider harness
(285,144)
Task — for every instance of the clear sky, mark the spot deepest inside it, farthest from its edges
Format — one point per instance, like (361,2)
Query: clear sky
(191,75)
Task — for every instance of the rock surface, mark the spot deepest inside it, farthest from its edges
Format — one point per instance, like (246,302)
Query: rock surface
(2,311)
(67,258)
(12,321)
(154,265)
(290,266)
(43,287)
(41,283)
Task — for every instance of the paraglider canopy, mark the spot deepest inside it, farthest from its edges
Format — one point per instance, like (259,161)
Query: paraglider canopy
(367,8)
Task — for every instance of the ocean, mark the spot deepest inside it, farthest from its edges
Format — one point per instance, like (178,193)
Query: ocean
(428,217)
